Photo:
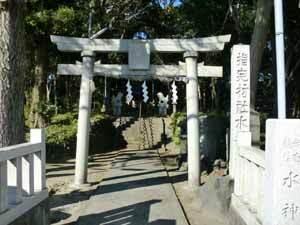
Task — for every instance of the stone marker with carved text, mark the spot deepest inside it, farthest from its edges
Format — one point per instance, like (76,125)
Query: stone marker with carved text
(240,101)
(282,179)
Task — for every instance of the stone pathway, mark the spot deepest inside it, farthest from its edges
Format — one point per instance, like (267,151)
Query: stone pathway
(131,187)
(136,191)
(66,203)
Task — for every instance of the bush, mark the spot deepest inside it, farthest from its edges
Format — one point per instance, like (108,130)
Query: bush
(62,129)
(103,133)
(177,118)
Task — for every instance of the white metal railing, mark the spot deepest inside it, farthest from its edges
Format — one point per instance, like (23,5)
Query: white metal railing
(250,179)
(22,177)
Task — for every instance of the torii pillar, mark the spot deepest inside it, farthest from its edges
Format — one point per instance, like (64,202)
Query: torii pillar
(192,111)
(85,102)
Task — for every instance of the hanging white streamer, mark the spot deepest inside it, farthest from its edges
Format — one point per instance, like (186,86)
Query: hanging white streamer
(145,92)
(129,96)
(174,93)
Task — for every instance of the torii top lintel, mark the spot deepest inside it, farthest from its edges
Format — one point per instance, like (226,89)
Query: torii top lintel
(207,44)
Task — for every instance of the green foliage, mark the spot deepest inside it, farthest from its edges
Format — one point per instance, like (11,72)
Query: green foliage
(62,129)
(63,118)
(64,19)
(212,114)
(55,18)
(159,19)
(46,111)
(246,14)
(26,115)
(98,118)
(195,12)
(177,118)
(39,20)
(61,134)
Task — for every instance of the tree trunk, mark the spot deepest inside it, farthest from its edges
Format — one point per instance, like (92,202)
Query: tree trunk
(39,90)
(12,68)
(259,39)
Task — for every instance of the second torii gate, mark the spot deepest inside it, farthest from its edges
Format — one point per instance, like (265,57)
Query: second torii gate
(139,68)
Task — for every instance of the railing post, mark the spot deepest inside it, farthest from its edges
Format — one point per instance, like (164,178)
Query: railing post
(14,168)
(3,186)
(243,139)
(38,136)
(261,185)
(248,183)
(22,180)
(240,180)
(254,183)
(28,174)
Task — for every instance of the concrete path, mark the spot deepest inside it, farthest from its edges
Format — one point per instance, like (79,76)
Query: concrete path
(136,191)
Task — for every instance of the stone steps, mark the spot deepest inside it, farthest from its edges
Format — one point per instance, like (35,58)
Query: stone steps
(132,133)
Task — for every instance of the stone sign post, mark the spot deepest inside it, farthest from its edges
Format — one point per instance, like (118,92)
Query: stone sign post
(282,178)
(240,102)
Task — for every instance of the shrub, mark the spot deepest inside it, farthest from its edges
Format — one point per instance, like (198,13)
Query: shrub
(62,129)
(177,118)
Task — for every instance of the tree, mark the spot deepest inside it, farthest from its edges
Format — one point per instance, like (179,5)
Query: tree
(259,40)
(12,68)
(292,44)
(43,19)
(123,18)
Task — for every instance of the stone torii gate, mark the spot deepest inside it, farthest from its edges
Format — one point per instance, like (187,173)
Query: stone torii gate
(139,68)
